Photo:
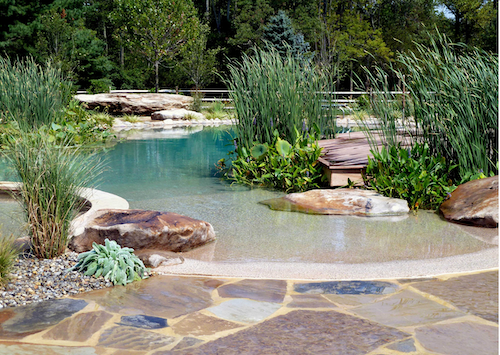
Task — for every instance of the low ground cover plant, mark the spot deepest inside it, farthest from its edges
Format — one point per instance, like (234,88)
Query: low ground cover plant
(114,263)
(412,174)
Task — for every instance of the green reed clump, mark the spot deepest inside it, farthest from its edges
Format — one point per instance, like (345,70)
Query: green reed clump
(454,89)
(452,105)
(53,178)
(8,254)
(31,94)
(275,92)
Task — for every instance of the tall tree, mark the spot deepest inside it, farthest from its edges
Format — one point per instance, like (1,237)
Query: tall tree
(198,61)
(158,28)
(280,34)
(472,18)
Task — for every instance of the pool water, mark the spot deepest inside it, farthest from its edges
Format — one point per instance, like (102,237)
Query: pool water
(175,170)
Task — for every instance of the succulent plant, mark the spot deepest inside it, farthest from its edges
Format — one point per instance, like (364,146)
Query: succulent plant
(114,263)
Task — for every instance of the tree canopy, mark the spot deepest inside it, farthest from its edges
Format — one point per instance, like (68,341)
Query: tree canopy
(167,43)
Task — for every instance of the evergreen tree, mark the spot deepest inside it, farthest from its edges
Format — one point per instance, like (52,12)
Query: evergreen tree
(279,33)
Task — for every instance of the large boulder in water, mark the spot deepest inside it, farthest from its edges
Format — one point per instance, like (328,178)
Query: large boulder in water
(139,229)
(135,104)
(340,202)
(474,203)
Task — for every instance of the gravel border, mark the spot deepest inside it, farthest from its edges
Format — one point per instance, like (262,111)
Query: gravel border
(36,280)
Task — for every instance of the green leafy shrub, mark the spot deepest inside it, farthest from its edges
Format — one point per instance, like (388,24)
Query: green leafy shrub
(114,263)
(216,110)
(413,175)
(79,126)
(98,86)
(279,165)
(8,254)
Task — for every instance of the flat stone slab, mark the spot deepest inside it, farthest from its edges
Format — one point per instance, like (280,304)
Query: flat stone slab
(310,301)
(406,308)
(347,287)
(137,104)
(129,338)
(475,202)
(176,114)
(158,296)
(404,346)
(30,349)
(244,311)
(340,202)
(476,294)
(198,324)
(464,338)
(39,316)
(79,328)
(259,290)
(143,321)
(304,331)
(140,229)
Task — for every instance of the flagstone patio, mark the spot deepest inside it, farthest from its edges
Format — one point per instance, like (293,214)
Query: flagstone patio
(454,314)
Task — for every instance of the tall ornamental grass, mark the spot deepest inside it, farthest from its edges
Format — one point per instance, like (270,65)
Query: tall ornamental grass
(453,96)
(277,92)
(52,181)
(31,94)
(8,255)
(454,89)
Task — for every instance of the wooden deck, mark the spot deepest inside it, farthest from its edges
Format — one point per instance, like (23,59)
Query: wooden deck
(345,157)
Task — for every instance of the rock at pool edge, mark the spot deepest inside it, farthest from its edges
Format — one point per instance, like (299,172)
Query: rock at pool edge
(475,203)
(139,229)
(355,202)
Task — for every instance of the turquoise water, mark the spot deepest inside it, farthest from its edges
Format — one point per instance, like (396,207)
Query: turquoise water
(174,170)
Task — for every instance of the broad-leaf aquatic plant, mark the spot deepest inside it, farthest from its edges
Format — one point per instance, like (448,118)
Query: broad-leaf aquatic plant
(279,165)
(114,263)
(410,174)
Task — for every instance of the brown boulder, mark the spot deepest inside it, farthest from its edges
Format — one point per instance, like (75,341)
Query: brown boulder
(474,203)
(355,202)
(139,229)
(137,104)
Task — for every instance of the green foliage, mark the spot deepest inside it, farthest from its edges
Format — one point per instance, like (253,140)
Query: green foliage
(216,110)
(197,101)
(279,165)
(413,175)
(280,34)
(99,86)
(198,62)
(52,181)
(454,89)
(452,105)
(30,94)
(114,263)
(271,92)
(8,255)
(157,28)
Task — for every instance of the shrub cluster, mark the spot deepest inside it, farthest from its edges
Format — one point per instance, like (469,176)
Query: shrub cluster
(279,165)
(410,174)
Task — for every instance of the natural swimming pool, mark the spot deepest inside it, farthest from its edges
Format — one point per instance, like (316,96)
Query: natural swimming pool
(174,170)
